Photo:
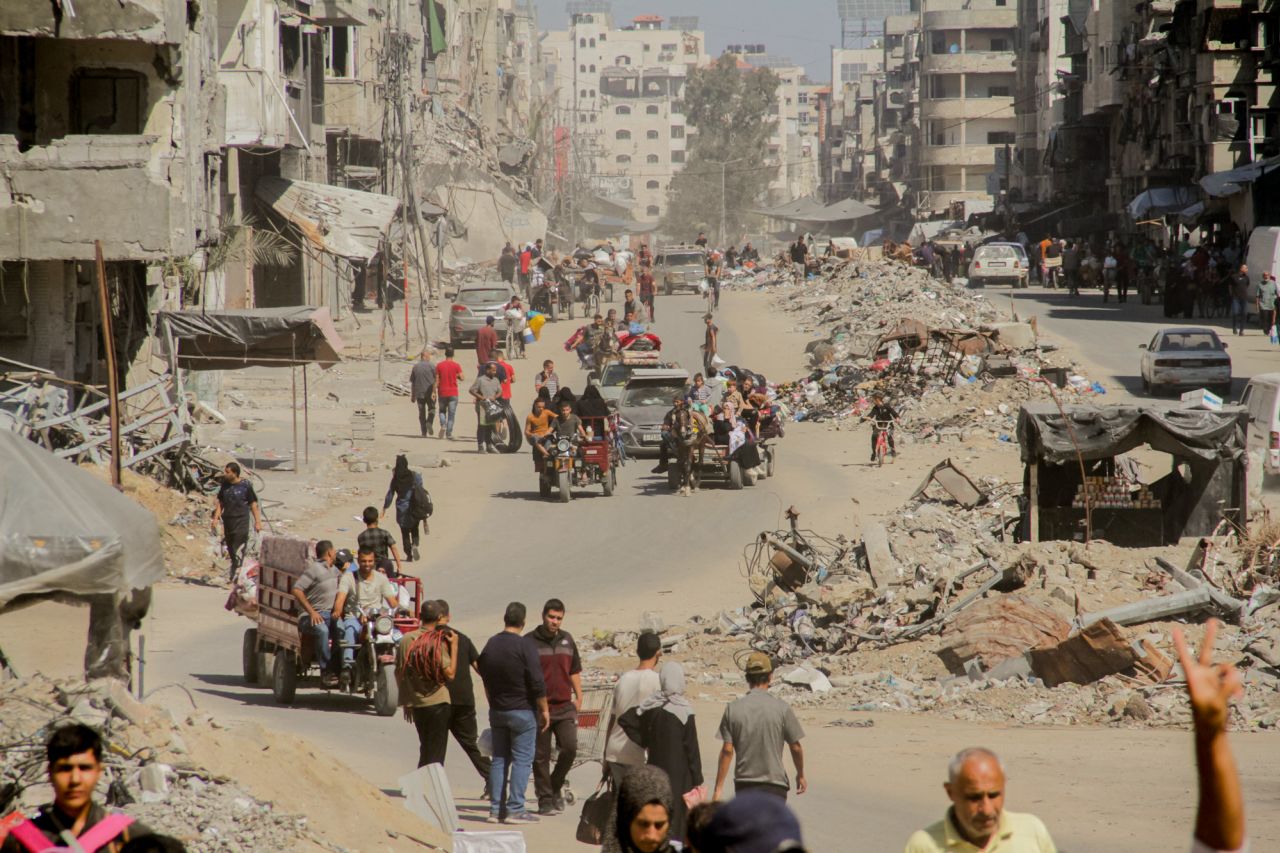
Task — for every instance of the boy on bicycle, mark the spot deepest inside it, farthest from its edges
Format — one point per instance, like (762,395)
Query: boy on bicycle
(881,413)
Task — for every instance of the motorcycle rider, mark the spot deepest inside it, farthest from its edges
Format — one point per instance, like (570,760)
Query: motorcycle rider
(668,437)
(358,594)
(881,412)
(567,424)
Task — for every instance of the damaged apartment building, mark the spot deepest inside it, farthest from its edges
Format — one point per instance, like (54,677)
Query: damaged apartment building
(1149,96)
(186,136)
(110,131)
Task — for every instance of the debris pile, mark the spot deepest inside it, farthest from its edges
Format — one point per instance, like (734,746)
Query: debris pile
(149,771)
(942,610)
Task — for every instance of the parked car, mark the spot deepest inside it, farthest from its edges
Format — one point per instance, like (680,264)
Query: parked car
(473,304)
(643,404)
(999,263)
(1262,398)
(1186,357)
(680,268)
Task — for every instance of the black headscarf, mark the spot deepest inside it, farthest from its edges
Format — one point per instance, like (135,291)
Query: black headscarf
(642,786)
(562,396)
(401,476)
(591,404)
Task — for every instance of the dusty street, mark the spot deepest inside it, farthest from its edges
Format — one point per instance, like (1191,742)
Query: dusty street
(493,540)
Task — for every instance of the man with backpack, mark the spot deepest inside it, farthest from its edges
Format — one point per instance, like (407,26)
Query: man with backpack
(426,661)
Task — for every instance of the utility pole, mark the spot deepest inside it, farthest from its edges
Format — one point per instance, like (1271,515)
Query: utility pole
(113,379)
(723,165)
(567,199)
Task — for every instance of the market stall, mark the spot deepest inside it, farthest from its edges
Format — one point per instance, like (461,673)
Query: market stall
(1080,485)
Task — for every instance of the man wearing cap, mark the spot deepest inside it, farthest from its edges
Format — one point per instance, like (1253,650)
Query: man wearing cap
(754,729)
(977,820)
(620,751)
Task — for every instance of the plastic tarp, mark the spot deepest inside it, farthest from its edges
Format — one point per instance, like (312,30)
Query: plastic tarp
(64,530)
(256,337)
(1232,181)
(1103,432)
(1161,201)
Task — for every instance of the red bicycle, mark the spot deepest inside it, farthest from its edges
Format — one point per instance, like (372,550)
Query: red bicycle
(881,430)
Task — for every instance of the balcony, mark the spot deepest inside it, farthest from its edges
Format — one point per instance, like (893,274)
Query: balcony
(960,108)
(355,105)
(1222,68)
(977,62)
(60,197)
(256,112)
(971,19)
(148,21)
(958,155)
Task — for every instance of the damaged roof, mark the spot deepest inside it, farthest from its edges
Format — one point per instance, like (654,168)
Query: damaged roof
(341,221)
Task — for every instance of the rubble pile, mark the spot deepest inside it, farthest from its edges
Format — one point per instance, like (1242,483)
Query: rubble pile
(944,356)
(940,610)
(149,771)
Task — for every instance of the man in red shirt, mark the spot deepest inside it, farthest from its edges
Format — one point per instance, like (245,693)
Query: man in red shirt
(647,289)
(526,261)
(486,343)
(506,373)
(448,374)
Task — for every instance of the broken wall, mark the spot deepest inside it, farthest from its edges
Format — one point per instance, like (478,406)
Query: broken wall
(483,214)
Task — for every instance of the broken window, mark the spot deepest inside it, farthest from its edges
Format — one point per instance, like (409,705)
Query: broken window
(652,110)
(652,134)
(652,210)
(623,111)
(340,53)
(677,156)
(106,100)
(291,52)
(651,159)
(15,303)
(622,134)
(651,185)
(623,159)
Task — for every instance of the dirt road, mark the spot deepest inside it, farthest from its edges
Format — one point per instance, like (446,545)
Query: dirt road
(494,541)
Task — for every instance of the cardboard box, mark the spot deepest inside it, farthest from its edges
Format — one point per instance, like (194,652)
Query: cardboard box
(1202,398)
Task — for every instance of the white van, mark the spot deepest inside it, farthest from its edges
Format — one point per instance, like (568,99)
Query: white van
(1262,398)
(1262,255)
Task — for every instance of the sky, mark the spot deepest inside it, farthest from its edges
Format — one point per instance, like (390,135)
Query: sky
(804,30)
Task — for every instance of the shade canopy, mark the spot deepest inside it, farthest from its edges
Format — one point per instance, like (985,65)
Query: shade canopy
(65,530)
(258,337)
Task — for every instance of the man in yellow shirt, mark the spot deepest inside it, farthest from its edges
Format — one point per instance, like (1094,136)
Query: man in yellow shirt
(977,820)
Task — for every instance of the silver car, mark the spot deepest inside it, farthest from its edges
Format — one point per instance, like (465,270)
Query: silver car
(1003,263)
(475,302)
(644,404)
(1188,357)
(680,268)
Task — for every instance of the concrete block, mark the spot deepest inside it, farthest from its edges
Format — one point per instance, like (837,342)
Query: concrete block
(1015,335)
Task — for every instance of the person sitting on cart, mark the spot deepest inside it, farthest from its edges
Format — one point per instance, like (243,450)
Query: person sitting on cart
(668,448)
(881,412)
(537,427)
(594,411)
(316,590)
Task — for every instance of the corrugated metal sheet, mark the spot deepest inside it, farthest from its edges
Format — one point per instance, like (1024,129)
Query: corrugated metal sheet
(344,222)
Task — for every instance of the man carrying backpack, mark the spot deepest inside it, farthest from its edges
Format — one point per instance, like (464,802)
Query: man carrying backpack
(426,661)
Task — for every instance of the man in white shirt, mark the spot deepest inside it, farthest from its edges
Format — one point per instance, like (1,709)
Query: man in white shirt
(357,594)
(620,751)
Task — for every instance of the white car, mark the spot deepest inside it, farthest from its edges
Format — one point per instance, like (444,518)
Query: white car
(999,263)
(1188,357)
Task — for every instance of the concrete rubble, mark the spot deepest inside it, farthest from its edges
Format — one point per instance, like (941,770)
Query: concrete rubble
(149,771)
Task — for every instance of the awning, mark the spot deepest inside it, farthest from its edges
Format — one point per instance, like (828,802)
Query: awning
(1232,181)
(811,210)
(341,221)
(257,337)
(1191,214)
(1101,432)
(64,530)
(1160,201)
(338,13)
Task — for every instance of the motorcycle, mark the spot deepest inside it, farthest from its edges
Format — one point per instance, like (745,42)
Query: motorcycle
(556,468)
(374,671)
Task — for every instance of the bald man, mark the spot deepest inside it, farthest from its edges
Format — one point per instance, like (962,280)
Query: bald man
(977,820)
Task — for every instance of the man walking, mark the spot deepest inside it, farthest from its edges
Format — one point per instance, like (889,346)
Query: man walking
(1266,302)
(977,820)
(507,263)
(1239,300)
(620,751)
(562,675)
(380,542)
(710,345)
(422,388)
(316,589)
(513,683)
(487,387)
(547,379)
(647,290)
(448,377)
(426,663)
(506,375)
(236,503)
(486,342)
(462,698)
(754,729)
(798,252)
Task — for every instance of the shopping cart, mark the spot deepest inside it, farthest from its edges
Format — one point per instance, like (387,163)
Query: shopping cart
(593,725)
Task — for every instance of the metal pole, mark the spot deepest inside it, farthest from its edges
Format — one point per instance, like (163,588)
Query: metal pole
(723,166)
(306,419)
(293,378)
(113,381)
(142,666)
